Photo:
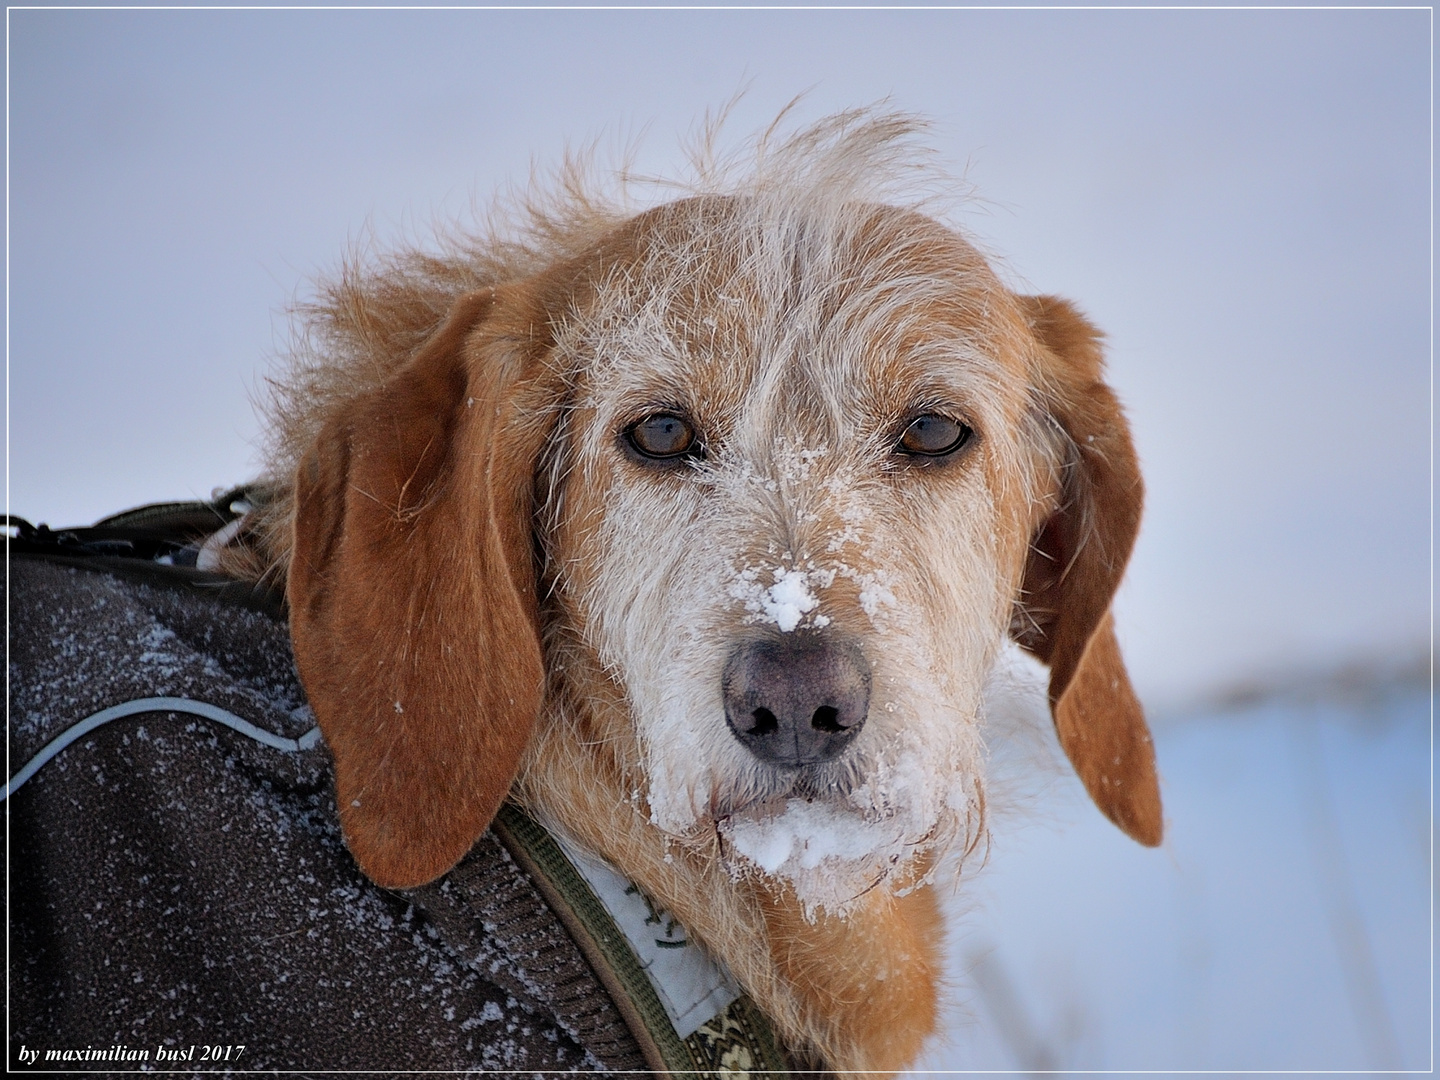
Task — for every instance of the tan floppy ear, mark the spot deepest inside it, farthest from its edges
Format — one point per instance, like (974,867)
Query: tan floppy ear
(412,593)
(1076,559)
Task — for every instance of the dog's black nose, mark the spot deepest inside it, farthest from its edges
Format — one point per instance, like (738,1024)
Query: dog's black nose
(797,700)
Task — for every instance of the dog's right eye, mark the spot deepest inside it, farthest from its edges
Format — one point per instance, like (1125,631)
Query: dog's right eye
(663,437)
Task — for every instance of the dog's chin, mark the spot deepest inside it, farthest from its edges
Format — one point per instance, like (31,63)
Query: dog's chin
(831,833)
(829,851)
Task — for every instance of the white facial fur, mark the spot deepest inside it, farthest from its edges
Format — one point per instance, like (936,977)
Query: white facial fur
(799,366)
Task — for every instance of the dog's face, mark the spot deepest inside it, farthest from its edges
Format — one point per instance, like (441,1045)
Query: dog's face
(793,489)
(792,474)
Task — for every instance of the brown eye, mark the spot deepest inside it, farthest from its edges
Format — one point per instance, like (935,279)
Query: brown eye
(662,436)
(932,436)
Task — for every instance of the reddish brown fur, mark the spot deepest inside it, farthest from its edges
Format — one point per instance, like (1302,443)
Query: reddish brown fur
(1074,568)
(871,980)
(411,532)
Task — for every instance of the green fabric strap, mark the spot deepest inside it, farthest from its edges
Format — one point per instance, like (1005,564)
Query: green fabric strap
(737,1042)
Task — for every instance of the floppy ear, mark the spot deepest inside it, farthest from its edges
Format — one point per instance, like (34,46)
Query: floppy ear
(412,592)
(1076,559)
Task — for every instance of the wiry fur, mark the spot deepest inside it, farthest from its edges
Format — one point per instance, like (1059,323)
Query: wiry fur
(801,318)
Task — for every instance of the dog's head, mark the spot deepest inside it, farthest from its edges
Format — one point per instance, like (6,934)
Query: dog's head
(776,475)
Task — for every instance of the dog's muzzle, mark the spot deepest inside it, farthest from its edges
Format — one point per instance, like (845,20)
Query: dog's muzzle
(797,701)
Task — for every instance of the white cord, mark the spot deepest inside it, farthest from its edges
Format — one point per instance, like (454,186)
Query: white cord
(157,704)
(208,557)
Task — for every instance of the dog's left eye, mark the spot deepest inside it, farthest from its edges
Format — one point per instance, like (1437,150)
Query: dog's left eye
(932,436)
(662,437)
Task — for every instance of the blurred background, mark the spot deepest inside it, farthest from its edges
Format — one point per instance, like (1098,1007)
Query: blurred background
(1240,198)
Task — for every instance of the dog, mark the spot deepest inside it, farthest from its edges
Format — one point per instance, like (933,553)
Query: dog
(696,531)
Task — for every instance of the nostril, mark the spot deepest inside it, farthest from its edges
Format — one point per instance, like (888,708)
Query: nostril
(765,723)
(827,719)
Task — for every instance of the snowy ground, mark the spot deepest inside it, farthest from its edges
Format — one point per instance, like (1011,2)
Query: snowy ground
(1284,925)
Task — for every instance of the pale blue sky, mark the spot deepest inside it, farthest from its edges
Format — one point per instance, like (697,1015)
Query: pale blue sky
(1240,198)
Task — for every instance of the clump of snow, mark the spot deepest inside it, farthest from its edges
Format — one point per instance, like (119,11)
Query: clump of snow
(787,600)
(805,835)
